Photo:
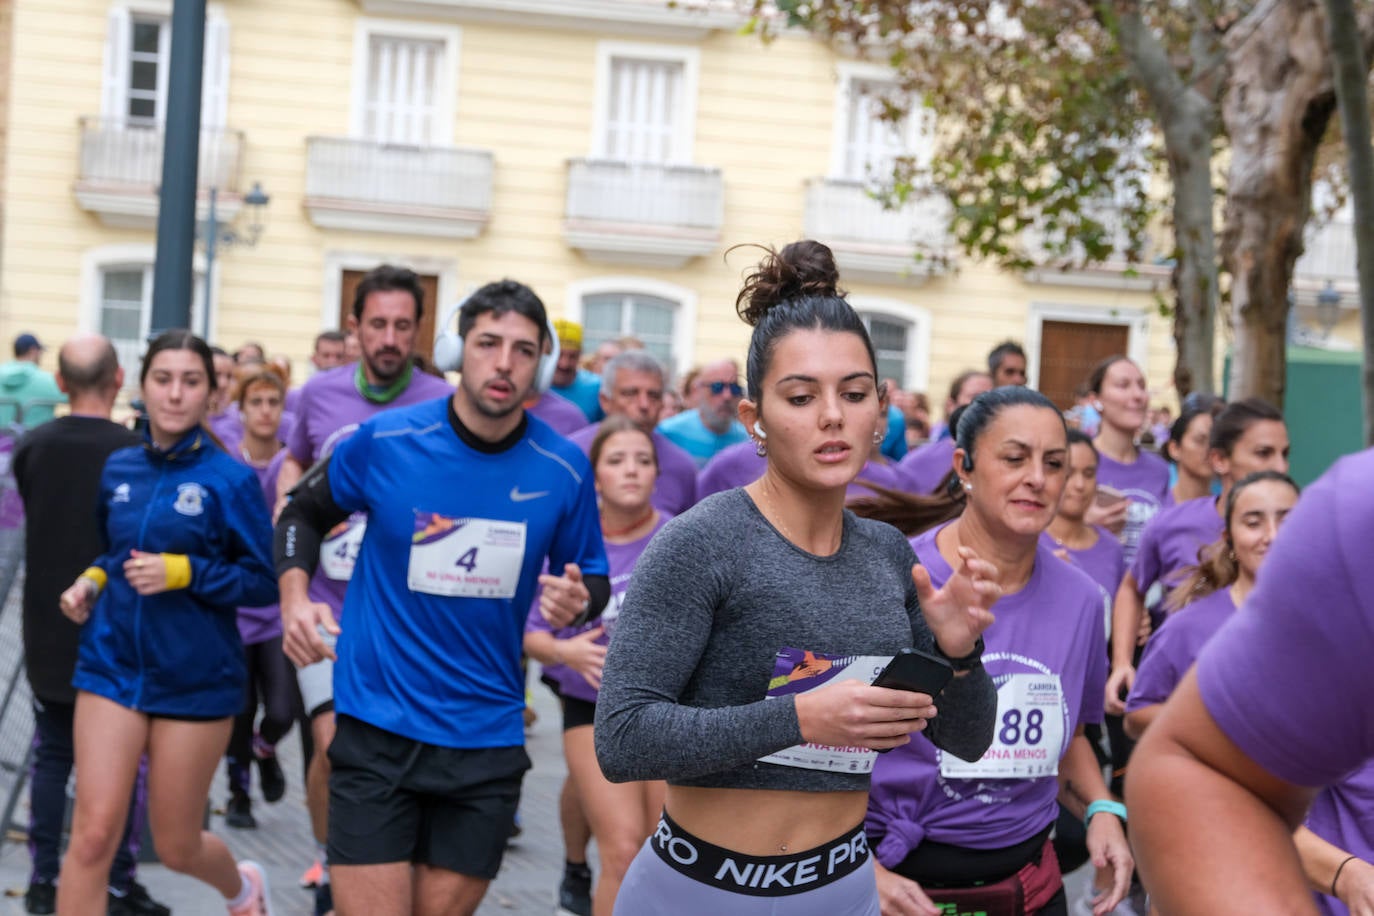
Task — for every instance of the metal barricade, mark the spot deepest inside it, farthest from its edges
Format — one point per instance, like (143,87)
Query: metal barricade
(16,701)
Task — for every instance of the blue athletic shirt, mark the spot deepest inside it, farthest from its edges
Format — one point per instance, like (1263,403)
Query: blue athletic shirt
(435,612)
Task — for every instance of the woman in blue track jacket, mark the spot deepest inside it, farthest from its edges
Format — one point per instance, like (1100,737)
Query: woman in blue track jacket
(161,668)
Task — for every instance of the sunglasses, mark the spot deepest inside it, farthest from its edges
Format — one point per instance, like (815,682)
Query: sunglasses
(717,387)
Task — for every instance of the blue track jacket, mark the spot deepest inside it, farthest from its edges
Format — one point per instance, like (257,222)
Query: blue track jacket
(177,653)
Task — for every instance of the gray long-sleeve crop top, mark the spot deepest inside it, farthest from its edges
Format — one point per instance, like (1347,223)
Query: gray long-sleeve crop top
(714,597)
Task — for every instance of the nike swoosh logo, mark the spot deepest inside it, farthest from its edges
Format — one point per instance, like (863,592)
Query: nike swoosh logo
(517,497)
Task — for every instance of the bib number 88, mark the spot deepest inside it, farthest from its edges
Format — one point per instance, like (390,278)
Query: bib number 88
(1012,731)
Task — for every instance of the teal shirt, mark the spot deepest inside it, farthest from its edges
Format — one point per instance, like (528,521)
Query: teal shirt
(22,384)
(687,432)
(585,392)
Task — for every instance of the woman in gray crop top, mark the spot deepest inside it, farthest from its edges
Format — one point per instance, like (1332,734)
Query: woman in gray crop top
(754,624)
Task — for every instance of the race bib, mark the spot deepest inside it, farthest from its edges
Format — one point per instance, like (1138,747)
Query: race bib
(466,557)
(796,671)
(1030,733)
(339,550)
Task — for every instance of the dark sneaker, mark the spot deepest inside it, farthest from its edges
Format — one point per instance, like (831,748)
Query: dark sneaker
(41,897)
(136,902)
(239,812)
(271,779)
(575,893)
(324,900)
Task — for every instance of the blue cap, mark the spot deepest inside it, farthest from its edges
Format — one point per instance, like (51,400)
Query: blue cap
(25,343)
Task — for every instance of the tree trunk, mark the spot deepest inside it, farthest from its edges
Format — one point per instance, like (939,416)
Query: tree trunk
(1279,101)
(1352,70)
(1188,145)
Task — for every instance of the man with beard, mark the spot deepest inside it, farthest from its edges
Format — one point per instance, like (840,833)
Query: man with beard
(386,315)
(465,498)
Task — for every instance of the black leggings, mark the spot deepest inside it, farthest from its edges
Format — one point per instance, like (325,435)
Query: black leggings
(271,682)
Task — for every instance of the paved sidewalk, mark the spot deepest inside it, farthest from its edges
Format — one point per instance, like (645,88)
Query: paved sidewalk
(283,845)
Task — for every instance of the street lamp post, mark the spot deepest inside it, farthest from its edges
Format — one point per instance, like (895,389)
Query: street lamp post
(218,235)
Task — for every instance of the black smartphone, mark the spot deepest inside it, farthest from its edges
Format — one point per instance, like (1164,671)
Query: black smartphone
(917,671)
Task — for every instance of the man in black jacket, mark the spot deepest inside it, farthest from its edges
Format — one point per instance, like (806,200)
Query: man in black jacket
(57,466)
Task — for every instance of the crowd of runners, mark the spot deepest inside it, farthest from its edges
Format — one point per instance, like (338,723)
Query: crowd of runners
(710,576)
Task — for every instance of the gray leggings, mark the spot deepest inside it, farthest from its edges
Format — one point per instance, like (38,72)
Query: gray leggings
(652,888)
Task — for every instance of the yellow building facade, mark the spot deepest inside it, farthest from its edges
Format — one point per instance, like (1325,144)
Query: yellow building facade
(606,152)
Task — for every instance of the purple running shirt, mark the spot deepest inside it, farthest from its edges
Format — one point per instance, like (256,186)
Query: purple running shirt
(739,464)
(228,428)
(675,490)
(1146,483)
(1305,639)
(622,559)
(922,470)
(1171,651)
(1047,654)
(331,410)
(1104,561)
(561,415)
(259,624)
(1341,815)
(1171,541)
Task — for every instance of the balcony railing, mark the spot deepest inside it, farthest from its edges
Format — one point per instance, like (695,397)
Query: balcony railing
(120,169)
(118,153)
(643,213)
(1329,255)
(1117,271)
(901,242)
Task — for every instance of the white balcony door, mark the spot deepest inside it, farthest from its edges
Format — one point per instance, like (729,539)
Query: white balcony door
(872,142)
(138,51)
(403,101)
(645,108)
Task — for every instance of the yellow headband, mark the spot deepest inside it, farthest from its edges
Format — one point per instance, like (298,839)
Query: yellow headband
(569,332)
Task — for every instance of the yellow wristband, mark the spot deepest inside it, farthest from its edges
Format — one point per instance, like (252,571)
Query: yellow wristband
(178,570)
(96,576)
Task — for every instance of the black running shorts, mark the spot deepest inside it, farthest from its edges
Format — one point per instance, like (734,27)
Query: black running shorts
(393,799)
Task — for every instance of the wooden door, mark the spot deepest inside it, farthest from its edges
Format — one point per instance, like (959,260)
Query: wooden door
(1068,352)
(424,338)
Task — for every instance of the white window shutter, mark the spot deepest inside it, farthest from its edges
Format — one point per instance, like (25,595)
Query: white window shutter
(115,77)
(214,89)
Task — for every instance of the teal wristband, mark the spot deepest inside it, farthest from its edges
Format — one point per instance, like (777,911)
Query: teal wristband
(1103,804)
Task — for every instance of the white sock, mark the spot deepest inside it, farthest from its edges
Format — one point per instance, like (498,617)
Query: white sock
(245,893)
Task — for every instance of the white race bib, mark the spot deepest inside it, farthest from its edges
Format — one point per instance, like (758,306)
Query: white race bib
(1030,733)
(796,671)
(466,557)
(339,551)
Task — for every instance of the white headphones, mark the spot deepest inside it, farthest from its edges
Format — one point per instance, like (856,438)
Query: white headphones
(448,351)
(759,430)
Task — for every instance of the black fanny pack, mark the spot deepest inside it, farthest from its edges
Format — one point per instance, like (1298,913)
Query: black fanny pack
(758,876)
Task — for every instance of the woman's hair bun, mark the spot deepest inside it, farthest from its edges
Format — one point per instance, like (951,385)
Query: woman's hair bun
(801,269)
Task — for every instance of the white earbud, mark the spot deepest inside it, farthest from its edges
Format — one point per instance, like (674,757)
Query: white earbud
(968,486)
(758,430)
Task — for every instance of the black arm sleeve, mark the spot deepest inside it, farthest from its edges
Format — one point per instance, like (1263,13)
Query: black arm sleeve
(309,514)
(599,590)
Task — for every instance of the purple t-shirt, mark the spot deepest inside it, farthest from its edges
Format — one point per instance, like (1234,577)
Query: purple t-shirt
(227,427)
(259,624)
(622,559)
(1171,651)
(1341,815)
(922,470)
(1146,483)
(1104,561)
(1050,629)
(331,410)
(1305,639)
(675,490)
(1171,541)
(739,465)
(733,466)
(562,415)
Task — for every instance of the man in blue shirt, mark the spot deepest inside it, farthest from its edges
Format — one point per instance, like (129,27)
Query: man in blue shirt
(714,423)
(570,380)
(466,497)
